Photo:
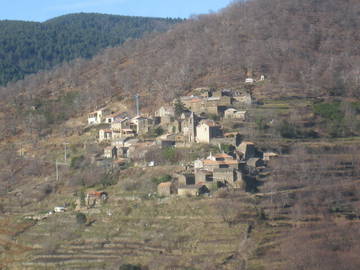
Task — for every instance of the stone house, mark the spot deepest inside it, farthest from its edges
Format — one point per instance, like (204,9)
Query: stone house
(242,97)
(111,152)
(140,125)
(167,188)
(203,176)
(215,162)
(115,117)
(206,130)
(188,123)
(211,165)
(246,150)
(209,105)
(105,135)
(185,178)
(165,111)
(232,113)
(225,175)
(120,124)
(96,117)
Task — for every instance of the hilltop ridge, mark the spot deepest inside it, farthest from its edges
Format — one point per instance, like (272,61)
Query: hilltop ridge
(28,47)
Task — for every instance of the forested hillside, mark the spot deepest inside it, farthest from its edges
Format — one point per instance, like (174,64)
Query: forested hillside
(27,47)
(304,48)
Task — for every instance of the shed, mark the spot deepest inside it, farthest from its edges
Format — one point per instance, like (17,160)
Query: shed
(166,189)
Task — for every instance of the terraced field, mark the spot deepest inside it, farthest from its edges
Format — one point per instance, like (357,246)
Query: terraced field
(162,234)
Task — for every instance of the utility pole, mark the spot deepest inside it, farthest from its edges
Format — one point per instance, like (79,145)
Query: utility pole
(137,105)
(57,168)
(65,152)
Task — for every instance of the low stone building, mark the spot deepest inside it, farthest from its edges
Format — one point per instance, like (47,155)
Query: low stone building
(166,189)
(242,97)
(232,113)
(185,178)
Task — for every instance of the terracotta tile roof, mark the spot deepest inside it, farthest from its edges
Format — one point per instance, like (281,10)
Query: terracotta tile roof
(195,100)
(223,155)
(165,184)
(220,162)
(247,143)
(210,123)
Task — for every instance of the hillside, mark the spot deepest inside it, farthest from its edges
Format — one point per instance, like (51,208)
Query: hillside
(28,47)
(304,49)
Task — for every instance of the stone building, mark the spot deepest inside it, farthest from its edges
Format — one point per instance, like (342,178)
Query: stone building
(242,97)
(120,124)
(215,162)
(185,178)
(96,117)
(225,175)
(111,152)
(167,188)
(188,123)
(246,150)
(140,125)
(206,130)
(203,176)
(105,135)
(232,113)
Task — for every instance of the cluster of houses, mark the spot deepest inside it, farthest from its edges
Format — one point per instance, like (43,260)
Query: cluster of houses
(191,125)
(233,170)
(188,120)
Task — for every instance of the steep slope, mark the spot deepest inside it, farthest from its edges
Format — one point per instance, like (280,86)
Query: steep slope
(27,47)
(304,49)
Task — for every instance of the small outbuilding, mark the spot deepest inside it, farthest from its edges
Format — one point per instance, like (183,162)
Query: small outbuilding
(166,189)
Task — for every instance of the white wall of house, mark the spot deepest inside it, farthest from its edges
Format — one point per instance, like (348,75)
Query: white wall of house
(203,133)
(104,135)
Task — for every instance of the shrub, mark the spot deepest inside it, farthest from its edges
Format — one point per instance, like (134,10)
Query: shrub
(288,130)
(162,179)
(108,180)
(81,218)
(77,162)
(329,111)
